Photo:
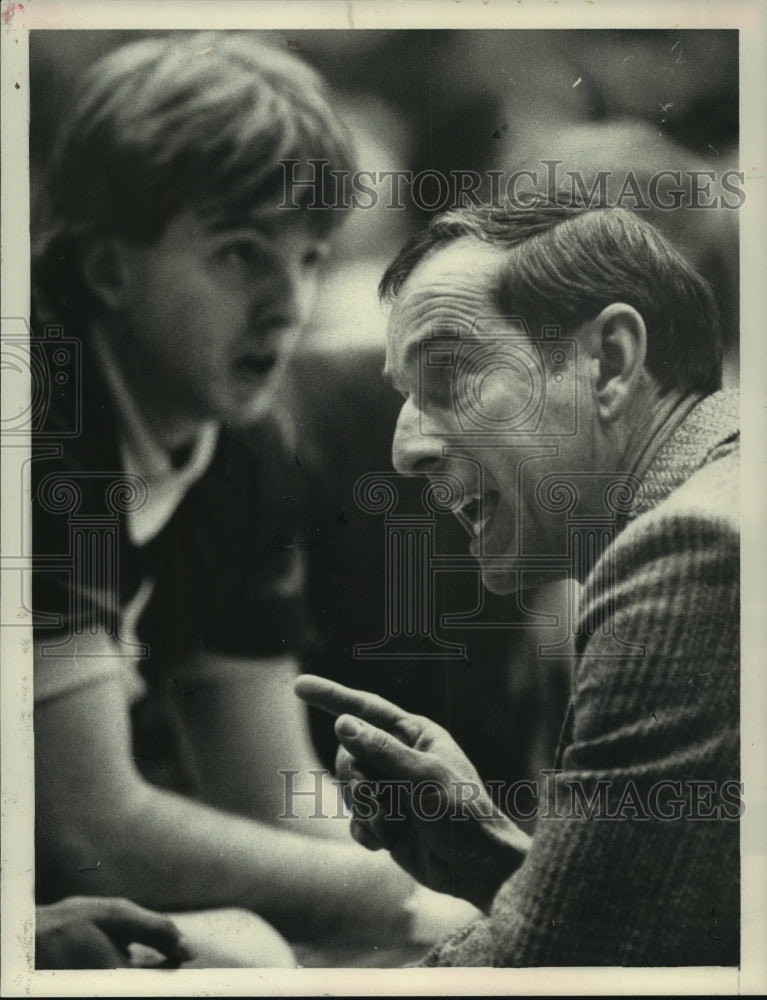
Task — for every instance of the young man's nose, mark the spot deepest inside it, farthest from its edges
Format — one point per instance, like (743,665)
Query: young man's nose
(416,447)
(292,295)
(302,296)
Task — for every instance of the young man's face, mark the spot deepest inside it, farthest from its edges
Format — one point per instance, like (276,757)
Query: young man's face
(487,405)
(212,312)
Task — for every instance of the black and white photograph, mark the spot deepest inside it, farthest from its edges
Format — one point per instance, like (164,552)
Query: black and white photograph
(374,519)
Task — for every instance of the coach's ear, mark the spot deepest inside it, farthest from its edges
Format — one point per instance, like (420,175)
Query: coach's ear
(619,348)
(103,271)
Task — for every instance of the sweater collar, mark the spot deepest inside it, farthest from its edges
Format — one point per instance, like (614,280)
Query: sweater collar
(685,447)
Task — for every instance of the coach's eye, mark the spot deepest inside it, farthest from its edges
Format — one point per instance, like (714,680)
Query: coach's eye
(437,387)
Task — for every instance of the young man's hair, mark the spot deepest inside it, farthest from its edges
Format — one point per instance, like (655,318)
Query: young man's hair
(182,121)
(566,262)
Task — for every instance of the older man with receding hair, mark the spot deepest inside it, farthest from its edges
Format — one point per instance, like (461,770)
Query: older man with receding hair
(563,365)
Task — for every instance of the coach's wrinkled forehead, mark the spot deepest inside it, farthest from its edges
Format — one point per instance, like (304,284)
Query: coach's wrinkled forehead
(451,291)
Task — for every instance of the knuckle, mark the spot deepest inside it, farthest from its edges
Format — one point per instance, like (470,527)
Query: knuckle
(379,741)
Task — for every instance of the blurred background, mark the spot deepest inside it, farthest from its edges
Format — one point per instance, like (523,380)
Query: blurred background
(447,101)
(641,100)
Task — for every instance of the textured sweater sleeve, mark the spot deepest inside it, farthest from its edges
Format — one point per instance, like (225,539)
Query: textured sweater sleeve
(635,859)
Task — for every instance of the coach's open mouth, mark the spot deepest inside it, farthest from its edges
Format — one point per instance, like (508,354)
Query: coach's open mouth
(475,514)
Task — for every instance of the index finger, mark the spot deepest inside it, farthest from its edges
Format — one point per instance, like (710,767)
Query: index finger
(336,699)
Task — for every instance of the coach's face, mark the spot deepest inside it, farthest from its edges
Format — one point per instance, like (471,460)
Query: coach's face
(485,404)
(210,313)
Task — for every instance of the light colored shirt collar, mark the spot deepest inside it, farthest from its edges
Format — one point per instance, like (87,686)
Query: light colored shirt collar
(144,455)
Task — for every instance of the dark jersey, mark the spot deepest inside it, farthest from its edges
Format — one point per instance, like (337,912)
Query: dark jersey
(225,570)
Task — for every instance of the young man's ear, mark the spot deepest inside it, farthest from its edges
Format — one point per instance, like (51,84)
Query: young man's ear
(103,271)
(619,350)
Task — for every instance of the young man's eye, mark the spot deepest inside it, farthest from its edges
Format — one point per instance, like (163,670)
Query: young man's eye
(240,252)
(315,256)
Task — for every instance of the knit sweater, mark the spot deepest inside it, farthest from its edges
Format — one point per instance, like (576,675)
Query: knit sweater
(640,865)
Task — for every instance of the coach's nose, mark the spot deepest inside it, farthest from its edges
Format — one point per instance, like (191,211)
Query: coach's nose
(417,446)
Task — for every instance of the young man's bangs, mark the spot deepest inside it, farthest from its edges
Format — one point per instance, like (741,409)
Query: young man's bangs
(255,178)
